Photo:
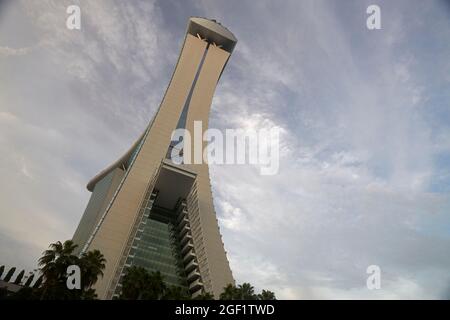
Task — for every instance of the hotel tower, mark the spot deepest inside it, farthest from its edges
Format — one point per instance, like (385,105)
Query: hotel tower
(146,210)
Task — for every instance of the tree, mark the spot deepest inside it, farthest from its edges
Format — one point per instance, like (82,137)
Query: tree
(176,293)
(2,269)
(229,293)
(266,295)
(246,292)
(139,284)
(205,296)
(53,267)
(92,264)
(133,283)
(156,285)
(9,274)
(55,260)
(88,294)
(19,277)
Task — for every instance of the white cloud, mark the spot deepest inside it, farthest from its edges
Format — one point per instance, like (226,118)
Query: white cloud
(359,140)
(73,103)
(7,51)
(354,189)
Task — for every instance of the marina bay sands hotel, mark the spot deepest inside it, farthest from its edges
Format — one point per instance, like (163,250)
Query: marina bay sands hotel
(147,211)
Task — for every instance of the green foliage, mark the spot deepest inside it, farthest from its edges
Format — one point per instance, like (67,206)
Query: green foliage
(176,293)
(229,293)
(92,264)
(54,264)
(139,284)
(266,295)
(245,292)
(205,296)
(51,285)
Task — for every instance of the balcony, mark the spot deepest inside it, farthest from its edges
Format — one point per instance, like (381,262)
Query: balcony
(185,230)
(188,246)
(182,214)
(191,266)
(197,293)
(196,285)
(189,256)
(187,237)
(183,222)
(193,275)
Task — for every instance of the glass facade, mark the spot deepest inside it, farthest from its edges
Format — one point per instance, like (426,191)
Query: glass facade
(100,197)
(156,246)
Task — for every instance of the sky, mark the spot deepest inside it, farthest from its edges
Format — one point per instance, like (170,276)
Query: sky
(364,176)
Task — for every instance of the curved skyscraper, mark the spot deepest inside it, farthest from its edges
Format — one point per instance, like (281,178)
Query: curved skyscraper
(147,211)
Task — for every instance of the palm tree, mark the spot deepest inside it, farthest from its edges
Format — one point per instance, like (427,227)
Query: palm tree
(133,283)
(246,292)
(59,255)
(205,296)
(176,293)
(156,285)
(229,293)
(53,267)
(92,264)
(266,295)
(139,284)
(55,260)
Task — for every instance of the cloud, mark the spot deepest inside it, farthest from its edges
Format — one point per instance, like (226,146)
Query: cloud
(69,106)
(354,190)
(7,51)
(364,115)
